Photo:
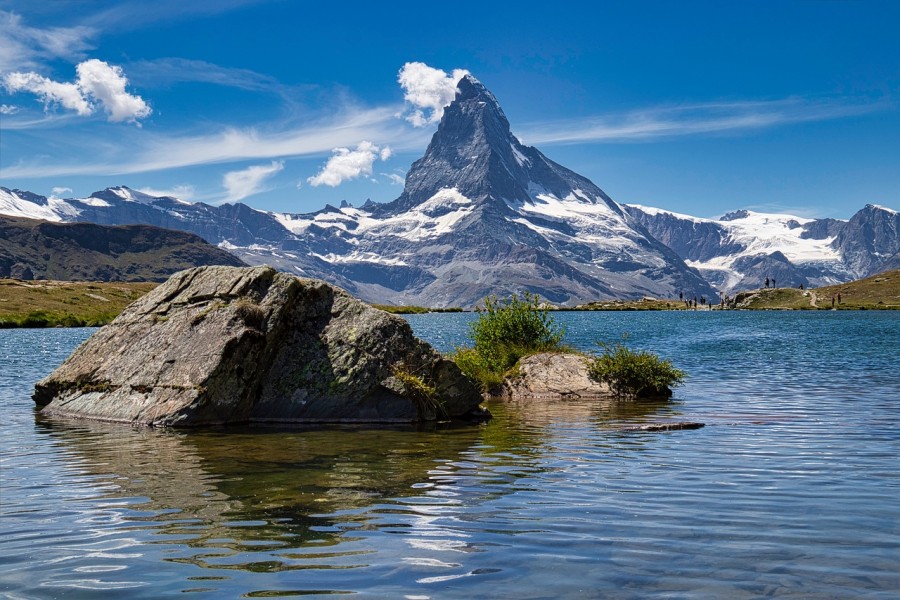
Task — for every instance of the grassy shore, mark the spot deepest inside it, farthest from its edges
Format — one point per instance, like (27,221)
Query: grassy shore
(80,304)
(879,292)
(65,303)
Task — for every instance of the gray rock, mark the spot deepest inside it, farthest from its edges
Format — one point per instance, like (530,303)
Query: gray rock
(219,345)
(553,375)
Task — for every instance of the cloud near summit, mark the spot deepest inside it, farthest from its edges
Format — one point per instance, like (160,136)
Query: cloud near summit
(346,164)
(427,91)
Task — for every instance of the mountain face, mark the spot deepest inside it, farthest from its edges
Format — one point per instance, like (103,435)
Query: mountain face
(31,249)
(743,248)
(483,214)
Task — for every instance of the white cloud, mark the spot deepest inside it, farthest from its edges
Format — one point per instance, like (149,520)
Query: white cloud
(181,192)
(50,92)
(428,90)
(8,109)
(107,83)
(249,181)
(394,178)
(346,164)
(97,82)
(59,191)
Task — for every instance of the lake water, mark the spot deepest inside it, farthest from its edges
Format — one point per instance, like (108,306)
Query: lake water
(792,488)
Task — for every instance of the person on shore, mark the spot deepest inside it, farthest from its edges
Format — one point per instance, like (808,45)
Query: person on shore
(773,283)
(832,302)
(839,297)
(767,283)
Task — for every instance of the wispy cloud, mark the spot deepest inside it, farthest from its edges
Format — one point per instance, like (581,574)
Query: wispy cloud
(25,47)
(155,152)
(172,70)
(182,192)
(695,119)
(59,191)
(394,178)
(130,15)
(247,182)
(346,164)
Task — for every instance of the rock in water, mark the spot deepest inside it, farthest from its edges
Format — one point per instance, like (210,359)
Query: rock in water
(553,375)
(219,345)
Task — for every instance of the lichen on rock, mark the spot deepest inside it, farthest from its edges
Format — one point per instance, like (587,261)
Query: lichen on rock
(220,345)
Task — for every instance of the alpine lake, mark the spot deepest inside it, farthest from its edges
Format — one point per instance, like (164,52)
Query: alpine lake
(792,488)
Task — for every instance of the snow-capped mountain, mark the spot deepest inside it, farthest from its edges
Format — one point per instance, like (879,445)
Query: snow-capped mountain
(483,214)
(741,249)
(480,214)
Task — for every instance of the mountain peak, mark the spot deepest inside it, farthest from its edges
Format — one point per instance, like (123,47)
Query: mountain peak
(474,152)
(469,88)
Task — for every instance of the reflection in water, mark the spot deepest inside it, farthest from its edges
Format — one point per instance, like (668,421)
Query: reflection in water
(790,490)
(267,501)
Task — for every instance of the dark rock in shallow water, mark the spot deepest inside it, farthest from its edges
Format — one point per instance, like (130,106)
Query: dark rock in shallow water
(219,345)
(679,426)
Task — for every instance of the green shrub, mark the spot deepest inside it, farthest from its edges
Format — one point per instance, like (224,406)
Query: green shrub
(634,374)
(504,332)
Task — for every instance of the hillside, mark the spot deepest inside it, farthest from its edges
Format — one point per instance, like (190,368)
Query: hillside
(32,249)
(65,303)
(881,291)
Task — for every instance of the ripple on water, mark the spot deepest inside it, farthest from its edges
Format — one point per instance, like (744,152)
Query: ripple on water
(790,489)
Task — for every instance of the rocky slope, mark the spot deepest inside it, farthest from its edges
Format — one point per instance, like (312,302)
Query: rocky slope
(741,249)
(31,249)
(481,213)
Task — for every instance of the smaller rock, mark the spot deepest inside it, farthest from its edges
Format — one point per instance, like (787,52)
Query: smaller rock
(553,375)
(667,426)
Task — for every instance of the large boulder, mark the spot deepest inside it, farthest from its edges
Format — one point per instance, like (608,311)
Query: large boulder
(553,375)
(219,345)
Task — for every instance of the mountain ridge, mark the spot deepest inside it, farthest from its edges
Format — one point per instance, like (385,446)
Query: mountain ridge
(36,249)
(482,214)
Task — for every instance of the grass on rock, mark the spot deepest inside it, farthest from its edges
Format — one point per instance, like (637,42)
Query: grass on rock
(505,332)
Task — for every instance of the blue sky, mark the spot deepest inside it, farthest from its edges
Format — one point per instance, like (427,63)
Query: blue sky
(695,107)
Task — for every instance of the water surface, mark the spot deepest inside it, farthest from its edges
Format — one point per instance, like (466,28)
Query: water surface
(790,490)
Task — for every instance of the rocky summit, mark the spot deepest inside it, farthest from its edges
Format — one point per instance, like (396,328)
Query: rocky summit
(226,345)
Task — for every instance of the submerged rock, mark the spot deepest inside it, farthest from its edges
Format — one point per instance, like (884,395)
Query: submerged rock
(219,345)
(553,375)
(679,426)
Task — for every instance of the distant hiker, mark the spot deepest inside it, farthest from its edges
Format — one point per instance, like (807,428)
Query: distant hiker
(767,283)
(801,287)
(681,295)
(832,302)
(839,298)
(773,283)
